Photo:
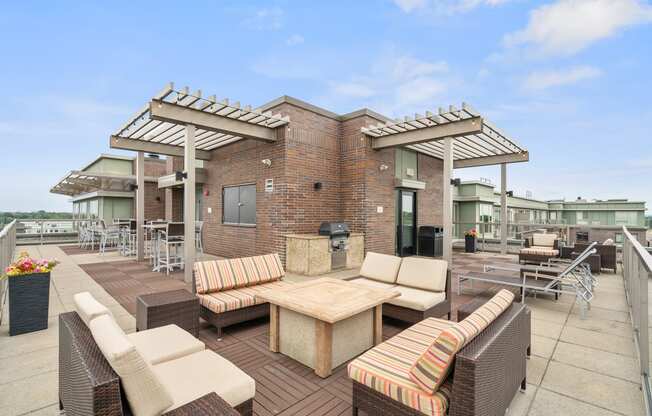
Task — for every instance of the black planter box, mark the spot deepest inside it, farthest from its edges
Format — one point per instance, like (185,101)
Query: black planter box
(469,244)
(29,299)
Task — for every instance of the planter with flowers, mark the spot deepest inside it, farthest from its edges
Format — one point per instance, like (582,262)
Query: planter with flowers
(29,294)
(469,240)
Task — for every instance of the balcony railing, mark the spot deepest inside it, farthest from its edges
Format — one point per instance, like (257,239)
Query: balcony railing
(637,271)
(489,233)
(52,231)
(7,249)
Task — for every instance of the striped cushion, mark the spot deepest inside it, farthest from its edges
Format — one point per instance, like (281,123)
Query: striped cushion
(385,368)
(543,251)
(431,368)
(217,275)
(230,300)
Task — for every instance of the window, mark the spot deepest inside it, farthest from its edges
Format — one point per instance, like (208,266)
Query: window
(619,238)
(239,205)
(626,218)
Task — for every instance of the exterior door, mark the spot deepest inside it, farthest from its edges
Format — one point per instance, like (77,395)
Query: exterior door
(406,223)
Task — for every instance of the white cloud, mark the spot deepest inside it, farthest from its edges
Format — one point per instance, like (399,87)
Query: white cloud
(353,89)
(445,7)
(265,19)
(541,80)
(394,84)
(568,26)
(409,5)
(294,40)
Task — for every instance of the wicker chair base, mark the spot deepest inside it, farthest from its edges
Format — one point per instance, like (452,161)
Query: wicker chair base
(222,320)
(533,258)
(413,316)
(374,403)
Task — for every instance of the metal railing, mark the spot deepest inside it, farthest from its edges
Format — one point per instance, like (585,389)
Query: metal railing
(637,270)
(47,231)
(7,249)
(489,233)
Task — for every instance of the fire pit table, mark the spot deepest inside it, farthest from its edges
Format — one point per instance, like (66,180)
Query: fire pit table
(325,322)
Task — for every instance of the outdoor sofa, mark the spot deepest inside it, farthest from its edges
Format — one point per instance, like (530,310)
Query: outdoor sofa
(227,288)
(160,371)
(439,367)
(539,248)
(424,284)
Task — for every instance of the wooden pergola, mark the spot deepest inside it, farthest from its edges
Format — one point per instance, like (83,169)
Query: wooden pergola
(462,138)
(180,123)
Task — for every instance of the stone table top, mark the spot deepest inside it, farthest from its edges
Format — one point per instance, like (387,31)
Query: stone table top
(329,300)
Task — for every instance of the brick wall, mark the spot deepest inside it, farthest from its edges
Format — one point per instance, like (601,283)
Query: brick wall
(154,201)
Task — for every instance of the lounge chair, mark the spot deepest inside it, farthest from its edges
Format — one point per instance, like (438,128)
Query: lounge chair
(606,251)
(539,248)
(574,279)
(162,371)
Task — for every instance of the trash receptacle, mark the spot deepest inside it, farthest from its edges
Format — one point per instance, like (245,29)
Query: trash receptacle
(430,240)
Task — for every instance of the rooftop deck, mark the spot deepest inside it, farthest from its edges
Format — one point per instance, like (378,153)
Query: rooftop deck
(579,367)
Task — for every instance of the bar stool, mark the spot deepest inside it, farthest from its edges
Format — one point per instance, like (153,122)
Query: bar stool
(171,240)
(199,227)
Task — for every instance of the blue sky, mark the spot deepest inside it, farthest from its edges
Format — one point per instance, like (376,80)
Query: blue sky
(568,79)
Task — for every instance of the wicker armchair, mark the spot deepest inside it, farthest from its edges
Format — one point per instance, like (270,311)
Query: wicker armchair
(539,254)
(89,386)
(488,372)
(607,254)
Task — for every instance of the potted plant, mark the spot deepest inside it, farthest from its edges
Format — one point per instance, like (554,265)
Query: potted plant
(469,240)
(29,293)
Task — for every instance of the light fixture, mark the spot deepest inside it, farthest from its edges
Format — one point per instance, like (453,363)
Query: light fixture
(180,176)
(383,167)
(266,162)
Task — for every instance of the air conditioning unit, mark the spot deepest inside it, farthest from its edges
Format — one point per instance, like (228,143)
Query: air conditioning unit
(409,172)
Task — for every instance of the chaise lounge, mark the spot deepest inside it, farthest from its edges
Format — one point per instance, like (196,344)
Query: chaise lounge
(162,371)
(439,367)
(227,288)
(424,284)
(539,248)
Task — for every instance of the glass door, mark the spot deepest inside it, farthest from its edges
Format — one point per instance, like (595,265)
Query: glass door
(406,223)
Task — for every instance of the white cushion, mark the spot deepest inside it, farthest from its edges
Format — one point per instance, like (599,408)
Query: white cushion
(544,240)
(193,376)
(145,394)
(422,273)
(165,343)
(381,267)
(608,242)
(417,299)
(88,307)
(373,284)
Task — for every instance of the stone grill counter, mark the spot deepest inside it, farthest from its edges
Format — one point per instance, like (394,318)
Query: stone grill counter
(309,255)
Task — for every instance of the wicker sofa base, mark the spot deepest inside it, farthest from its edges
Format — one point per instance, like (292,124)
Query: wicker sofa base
(413,316)
(374,403)
(224,319)
(533,258)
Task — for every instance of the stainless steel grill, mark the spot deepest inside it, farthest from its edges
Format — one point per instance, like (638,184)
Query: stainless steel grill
(338,233)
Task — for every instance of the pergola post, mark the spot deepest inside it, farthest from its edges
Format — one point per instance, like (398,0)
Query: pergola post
(189,202)
(447,214)
(140,206)
(503,208)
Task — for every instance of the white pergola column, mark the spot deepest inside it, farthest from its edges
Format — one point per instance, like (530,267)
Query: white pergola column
(447,214)
(189,202)
(140,206)
(503,208)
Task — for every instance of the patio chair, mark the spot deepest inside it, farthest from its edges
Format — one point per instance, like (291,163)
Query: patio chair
(171,242)
(606,251)
(109,236)
(574,279)
(199,229)
(162,371)
(539,248)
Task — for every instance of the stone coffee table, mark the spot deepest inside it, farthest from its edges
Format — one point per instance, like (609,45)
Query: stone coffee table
(325,322)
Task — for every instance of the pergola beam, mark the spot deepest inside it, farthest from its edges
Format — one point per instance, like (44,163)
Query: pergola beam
(464,127)
(172,113)
(492,160)
(151,147)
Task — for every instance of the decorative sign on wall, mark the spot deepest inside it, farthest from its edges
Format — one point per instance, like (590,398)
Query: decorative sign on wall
(269,185)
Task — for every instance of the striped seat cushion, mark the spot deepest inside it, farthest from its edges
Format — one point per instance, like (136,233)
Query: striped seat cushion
(431,368)
(233,299)
(385,368)
(540,250)
(218,275)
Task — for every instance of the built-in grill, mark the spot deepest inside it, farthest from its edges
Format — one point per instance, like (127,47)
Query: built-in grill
(338,233)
